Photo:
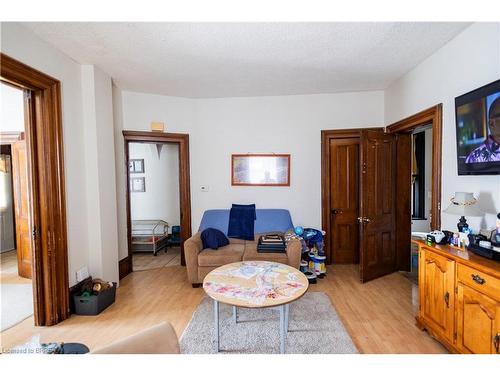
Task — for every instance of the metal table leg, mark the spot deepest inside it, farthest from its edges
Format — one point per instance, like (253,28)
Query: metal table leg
(282,329)
(216,321)
(287,313)
(235,314)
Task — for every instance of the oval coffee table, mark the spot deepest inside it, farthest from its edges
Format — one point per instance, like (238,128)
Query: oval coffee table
(255,284)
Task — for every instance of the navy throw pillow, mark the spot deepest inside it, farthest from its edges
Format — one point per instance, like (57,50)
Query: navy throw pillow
(213,238)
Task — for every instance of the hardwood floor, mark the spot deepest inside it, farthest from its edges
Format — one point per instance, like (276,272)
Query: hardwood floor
(147,261)
(8,269)
(378,315)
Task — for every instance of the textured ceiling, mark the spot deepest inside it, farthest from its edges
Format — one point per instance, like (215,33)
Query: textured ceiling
(249,59)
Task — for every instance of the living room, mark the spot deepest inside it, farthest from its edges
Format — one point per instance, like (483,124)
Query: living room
(214,97)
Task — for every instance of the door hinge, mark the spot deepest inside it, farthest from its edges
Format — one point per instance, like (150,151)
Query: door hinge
(27,94)
(34,233)
(456,290)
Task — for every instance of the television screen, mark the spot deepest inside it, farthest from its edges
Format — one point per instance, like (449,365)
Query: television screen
(478,130)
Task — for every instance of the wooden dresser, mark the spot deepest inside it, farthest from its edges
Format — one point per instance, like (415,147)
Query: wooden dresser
(459,296)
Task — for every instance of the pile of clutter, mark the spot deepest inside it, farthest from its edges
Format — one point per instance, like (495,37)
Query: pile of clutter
(313,257)
(94,287)
(94,296)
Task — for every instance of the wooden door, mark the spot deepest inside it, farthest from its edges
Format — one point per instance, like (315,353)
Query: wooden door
(377,205)
(344,198)
(478,322)
(21,208)
(437,298)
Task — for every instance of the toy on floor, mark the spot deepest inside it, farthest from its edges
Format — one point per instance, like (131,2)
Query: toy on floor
(313,259)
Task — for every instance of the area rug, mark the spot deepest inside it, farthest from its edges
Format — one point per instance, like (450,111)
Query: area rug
(314,328)
(17,304)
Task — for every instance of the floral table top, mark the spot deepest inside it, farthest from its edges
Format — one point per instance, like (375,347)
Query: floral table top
(255,284)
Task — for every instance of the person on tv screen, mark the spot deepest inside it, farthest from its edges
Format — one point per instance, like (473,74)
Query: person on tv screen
(490,149)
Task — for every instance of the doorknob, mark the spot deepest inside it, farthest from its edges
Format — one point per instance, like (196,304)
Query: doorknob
(336,211)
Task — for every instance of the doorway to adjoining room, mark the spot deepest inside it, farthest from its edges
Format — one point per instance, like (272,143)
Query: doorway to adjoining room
(15,239)
(154,205)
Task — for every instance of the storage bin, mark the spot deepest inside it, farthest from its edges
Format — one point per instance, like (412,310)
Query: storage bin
(94,304)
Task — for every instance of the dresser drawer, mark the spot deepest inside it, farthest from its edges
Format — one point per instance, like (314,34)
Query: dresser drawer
(479,280)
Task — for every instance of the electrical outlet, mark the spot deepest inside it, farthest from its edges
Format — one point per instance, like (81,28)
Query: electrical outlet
(82,274)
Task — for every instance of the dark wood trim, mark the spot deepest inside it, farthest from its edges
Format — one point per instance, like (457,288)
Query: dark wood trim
(434,117)
(184,183)
(47,194)
(326,135)
(233,183)
(124,267)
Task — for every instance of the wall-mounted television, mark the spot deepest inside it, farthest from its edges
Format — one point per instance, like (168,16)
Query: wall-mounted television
(477,116)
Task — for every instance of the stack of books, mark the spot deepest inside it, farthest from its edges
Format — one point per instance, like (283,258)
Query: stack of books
(271,243)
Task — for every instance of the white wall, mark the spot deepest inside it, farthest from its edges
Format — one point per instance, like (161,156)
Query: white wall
(161,173)
(11,109)
(219,127)
(80,169)
(470,60)
(100,172)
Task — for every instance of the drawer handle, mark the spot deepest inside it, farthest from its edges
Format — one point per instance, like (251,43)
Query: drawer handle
(478,279)
(447,299)
(496,342)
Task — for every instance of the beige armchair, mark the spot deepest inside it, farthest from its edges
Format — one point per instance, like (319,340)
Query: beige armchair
(159,339)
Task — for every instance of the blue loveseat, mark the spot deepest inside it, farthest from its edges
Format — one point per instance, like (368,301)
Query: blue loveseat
(199,261)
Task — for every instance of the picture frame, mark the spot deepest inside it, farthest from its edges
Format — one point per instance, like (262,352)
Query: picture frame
(260,169)
(136,165)
(138,185)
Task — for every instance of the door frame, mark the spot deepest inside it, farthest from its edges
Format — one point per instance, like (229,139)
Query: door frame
(434,117)
(44,140)
(182,140)
(326,135)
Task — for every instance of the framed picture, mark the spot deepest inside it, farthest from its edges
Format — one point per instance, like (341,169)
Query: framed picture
(137,184)
(136,165)
(260,170)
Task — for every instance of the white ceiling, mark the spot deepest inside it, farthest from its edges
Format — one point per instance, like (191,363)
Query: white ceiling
(201,60)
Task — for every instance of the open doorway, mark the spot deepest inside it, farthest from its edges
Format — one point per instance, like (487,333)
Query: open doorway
(154,204)
(421,178)
(419,145)
(46,211)
(15,211)
(158,199)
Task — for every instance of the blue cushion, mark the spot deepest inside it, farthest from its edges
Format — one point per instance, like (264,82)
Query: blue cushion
(213,238)
(241,222)
(268,220)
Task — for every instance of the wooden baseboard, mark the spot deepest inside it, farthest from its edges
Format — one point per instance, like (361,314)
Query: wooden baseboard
(124,267)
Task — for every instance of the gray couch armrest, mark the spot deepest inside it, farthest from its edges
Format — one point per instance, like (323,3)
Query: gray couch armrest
(192,248)
(294,252)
